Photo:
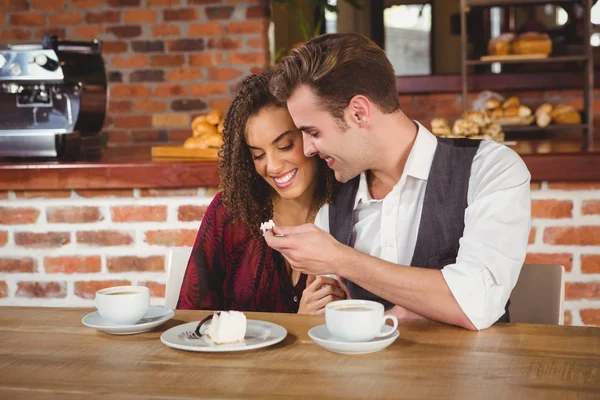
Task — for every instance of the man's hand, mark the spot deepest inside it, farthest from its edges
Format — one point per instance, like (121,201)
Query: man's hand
(307,248)
(319,292)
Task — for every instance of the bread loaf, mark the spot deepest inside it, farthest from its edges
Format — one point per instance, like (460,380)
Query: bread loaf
(532,43)
(501,45)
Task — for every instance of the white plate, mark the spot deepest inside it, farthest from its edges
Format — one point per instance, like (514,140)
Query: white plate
(258,334)
(153,318)
(321,336)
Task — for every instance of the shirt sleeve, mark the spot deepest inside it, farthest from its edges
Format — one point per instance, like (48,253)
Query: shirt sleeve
(322,218)
(494,244)
(201,288)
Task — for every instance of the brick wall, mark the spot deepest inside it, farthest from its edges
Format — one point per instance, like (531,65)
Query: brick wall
(167,60)
(57,248)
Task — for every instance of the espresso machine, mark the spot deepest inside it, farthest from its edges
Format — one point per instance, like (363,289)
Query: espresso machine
(53,99)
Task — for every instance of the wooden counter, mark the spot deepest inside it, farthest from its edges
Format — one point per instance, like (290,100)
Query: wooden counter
(134,168)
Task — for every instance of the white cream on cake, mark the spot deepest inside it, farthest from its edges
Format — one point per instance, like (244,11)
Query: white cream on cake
(227,327)
(265,226)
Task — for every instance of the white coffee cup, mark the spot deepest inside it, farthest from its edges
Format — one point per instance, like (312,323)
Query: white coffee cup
(357,320)
(123,305)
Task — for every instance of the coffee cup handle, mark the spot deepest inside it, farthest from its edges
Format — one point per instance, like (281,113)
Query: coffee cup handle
(394,327)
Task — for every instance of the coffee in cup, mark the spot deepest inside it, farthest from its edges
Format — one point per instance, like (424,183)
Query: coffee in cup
(357,320)
(123,305)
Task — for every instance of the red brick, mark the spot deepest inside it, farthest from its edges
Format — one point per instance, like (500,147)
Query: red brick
(171,238)
(590,316)
(178,135)
(171,120)
(247,58)
(184,74)
(42,240)
(72,264)
(170,90)
(551,209)
(111,46)
(150,135)
(258,26)
(121,90)
(29,19)
(119,137)
(138,213)
(105,238)
(18,215)
(66,18)
(4,290)
(24,264)
(224,43)
(221,104)
(124,3)
(3,194)
(568,318)
(156,289)
(590,207)
(49,290)
(136,264)
(224,74)
(564,259)
(532,236)
(207,29)
(132,61)
(209,89)
(86,3)
(15,34)
(206,60)
(535,186)
(168,192)
(163,3)
(48,4)
(140,16)
(219,12)
(133,121)
(165,30)
(73,215)
(258,12)
(3,238)
(119,107)
(87,290)
(590,264)
(91,32)
(167,60)
(571,235)
(181,14)
(13,6)
(125,31)
(150,106)
(191,213)
(103,17)
(574,185)
(261,43)
(582,290)
(43,194)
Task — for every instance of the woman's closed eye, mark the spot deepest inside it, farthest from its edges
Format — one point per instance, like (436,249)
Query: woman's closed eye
(258,157)
(288,147)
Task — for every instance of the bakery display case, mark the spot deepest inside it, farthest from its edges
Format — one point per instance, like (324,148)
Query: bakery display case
(533,48)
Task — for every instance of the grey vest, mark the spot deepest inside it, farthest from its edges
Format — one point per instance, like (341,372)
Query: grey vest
(442,218)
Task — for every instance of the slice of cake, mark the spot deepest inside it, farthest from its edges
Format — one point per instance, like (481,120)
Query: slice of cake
(265,226)
(227,327)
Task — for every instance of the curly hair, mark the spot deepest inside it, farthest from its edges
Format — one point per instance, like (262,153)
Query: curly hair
(245,193)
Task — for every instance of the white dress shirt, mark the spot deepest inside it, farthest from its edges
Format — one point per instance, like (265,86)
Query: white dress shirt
(497,222)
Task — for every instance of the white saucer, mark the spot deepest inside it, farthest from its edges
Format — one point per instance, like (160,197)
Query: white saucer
(321,336)
(258,334)
(153,318)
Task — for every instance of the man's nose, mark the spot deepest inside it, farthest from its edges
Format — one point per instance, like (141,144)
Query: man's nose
(309,147)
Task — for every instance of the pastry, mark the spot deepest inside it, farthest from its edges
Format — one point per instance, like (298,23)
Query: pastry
(492,104)
(501,45)
(206,141)
(465,127)
(440,127)
(532,43)
(524,111)
(479,118)
(543,120)
(225,327)
(565,114)
(497,114)
(511,112)
(544,109)
(214,117)
(512,101)
(204,128)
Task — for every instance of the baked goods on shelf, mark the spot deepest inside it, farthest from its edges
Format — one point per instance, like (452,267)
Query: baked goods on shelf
(529,43)
(207,131)
(509,112)
(561,114)
(472,125)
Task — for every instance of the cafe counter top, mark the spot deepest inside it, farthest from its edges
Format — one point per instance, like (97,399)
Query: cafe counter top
(134,167)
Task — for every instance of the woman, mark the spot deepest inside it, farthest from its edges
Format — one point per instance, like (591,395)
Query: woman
(264,175)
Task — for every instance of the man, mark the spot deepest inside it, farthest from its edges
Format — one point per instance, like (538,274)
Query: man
(430,227)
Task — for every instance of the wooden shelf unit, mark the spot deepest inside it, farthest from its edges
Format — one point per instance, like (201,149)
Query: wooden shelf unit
(586,59)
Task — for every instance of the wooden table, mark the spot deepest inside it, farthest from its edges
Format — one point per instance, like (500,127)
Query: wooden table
(47,353)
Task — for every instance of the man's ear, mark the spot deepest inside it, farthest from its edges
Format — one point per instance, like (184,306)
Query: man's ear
(360,109)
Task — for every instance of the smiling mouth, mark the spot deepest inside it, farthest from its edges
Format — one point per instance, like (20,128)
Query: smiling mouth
(285,179)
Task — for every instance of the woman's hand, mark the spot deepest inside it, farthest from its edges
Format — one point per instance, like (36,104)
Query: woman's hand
(319,292)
